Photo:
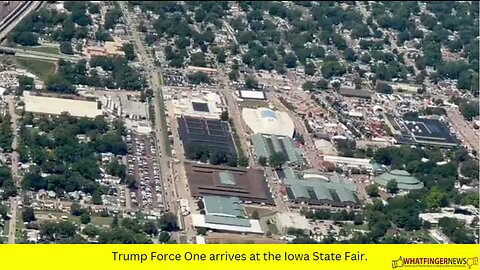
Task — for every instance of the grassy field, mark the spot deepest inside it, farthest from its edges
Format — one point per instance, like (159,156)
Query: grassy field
(42,68)
(363,227)
(96,220)
(44,49)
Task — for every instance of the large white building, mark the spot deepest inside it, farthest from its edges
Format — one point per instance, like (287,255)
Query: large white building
(56,106)
(267,121)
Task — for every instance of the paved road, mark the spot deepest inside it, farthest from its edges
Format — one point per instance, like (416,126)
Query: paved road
(14,171)
(235,114)
(179,184)
(466,132)
(12,24)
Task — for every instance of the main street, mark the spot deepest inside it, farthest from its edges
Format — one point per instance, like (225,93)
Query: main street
(14,171)
(174,183)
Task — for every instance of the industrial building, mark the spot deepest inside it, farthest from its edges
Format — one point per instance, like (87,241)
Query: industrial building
(212,134)
(265,145)
(225,214)
(205,104)
(57,106)
(420,131)
(267,121)
(404,180)
(249,94)
(292,220)
(319,188)
(249,185)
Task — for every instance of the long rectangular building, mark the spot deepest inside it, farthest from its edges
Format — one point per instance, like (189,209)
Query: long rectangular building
(248,185)
(57,106)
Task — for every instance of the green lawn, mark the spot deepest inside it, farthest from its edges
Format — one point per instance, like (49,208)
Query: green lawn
(42,68)
(45,49)
(96,220)
(363,226)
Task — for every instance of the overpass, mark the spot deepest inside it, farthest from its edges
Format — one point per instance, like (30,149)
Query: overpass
(22,10)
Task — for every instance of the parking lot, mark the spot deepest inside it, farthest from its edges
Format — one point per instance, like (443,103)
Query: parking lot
(143,165)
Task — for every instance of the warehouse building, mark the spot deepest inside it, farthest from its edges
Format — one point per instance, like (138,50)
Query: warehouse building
(57,106)
(420,131)
(319,188)
(225,214)
(404,180)
(266,121)
(212,134)
(265,145)
(249,185)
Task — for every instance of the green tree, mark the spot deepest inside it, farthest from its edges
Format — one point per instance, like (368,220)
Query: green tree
(26,83)
(85,218)
(28,214)
(392,186)
(164,237)
(150,228)
(277,159)
(255,215)
(262,161)
(436,198)
(66,48)
(372,190)
(224,116)
(168,222)
(129,51)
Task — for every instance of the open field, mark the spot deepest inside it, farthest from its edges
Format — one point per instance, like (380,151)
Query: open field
(42,68)
(44,49)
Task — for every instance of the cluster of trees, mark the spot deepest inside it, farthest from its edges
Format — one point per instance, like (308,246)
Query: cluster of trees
(6,183)
(123,75)
(198,77)
(6,133)
(325,214)
(60,26)
(70,74)
(456,231)
(215,157)
(439,180)
(125,231)
(71,165)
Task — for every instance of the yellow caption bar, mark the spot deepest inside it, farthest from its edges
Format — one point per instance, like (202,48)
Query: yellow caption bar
(239,257)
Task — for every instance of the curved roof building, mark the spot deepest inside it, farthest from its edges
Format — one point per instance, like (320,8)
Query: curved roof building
(404,180)
(267,121)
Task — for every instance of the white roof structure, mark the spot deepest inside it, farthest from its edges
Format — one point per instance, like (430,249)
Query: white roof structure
(56,106)
(199,221)
(357,162)
(205,104)
(267,121)
(248,94)
(292,220)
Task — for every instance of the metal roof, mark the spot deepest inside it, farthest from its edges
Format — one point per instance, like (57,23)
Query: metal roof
(223,206)
(227,178)
(265,145)
(315,186)
(403,178)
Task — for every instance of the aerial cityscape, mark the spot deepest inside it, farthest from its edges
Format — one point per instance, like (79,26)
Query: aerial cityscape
(201,122)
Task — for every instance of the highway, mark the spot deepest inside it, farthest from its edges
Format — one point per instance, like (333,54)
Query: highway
(18,14)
